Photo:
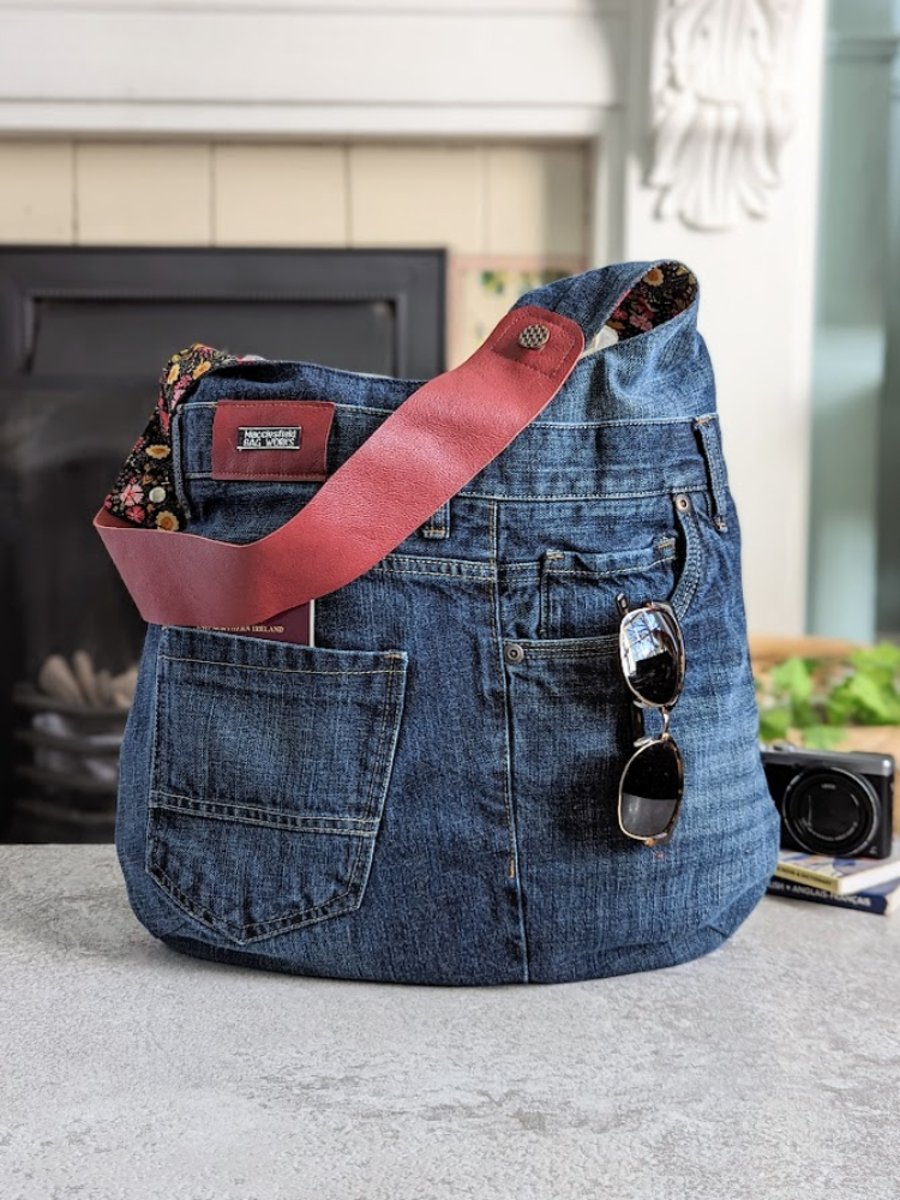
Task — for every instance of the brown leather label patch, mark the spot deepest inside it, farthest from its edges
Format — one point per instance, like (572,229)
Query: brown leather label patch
(269,440)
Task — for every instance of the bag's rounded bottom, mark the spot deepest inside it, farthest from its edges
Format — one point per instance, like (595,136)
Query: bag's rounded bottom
(622,960)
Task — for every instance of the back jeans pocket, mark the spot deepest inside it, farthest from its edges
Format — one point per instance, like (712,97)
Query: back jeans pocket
(271,766)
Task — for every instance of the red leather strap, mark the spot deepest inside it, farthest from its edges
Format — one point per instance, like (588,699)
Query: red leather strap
(418,458)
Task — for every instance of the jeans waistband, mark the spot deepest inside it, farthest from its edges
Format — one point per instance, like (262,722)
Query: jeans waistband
(597,437)
(547,461)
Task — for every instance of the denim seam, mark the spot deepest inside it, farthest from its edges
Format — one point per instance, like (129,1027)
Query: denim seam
(284,825)
(278,816)
(261,929)
(614,422)
(423,564)
(527,497)
(211,662)
(545,600)
(178,473)
(348,408)
(381,764)
(661,491)
(438,525)
(154,755)
(614,573)
(592,648)
(689,579)
(497,641)
(478,576)
(710,442)
(433,558)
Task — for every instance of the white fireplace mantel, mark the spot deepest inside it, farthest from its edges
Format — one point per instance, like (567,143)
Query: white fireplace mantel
(308,68)
(703,115)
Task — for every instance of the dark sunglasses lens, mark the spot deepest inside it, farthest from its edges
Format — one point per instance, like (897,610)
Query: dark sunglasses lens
(652,654)
(651,789)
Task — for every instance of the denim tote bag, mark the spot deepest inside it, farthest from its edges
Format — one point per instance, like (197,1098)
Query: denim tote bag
(426,789)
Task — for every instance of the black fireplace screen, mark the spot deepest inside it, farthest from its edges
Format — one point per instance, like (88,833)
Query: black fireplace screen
(84,334)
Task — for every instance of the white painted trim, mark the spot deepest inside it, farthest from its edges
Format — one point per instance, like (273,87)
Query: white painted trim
(607,165)
(309,121)
(209,70)
(483,8)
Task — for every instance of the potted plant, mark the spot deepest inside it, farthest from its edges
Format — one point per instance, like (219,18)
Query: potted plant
(829,695)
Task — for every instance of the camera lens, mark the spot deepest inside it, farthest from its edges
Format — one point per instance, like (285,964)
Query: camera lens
(830,811)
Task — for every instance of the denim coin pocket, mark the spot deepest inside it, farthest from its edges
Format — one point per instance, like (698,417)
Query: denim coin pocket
(662,562)
(271,763)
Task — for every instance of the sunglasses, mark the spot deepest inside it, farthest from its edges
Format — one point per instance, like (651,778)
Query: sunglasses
(651,652)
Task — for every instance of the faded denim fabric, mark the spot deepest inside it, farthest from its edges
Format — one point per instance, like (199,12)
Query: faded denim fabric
(429,794)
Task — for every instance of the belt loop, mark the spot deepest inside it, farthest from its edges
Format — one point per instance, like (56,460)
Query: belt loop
(177,452)
(439,525)
(711,446)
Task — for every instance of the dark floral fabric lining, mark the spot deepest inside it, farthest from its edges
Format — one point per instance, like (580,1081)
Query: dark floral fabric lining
(144,491)
(664,292)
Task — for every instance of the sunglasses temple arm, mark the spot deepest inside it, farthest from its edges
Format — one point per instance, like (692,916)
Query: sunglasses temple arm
(638,728)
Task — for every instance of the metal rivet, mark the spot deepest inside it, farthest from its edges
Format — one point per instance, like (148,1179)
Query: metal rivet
(682,502)
(514,653)
(534,337)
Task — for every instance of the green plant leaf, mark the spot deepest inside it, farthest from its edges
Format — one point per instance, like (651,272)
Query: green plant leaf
(873,703)
(493,282)
(823,737)
(774,723)
(793,679)
(803,714)
(882,660)
(840,708)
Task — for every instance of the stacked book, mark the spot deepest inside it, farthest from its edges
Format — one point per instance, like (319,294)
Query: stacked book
(868,884)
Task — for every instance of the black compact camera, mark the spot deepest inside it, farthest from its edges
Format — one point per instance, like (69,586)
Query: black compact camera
(839,804)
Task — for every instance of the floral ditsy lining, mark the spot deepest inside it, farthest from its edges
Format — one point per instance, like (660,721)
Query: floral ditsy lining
(664,292)
(144,492)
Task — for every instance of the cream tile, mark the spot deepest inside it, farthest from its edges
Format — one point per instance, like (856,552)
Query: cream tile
(147,193)
(417,195)
(35,191)
(279,195)
(537,200)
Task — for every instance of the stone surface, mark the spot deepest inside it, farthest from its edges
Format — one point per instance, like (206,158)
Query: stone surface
(769,1069)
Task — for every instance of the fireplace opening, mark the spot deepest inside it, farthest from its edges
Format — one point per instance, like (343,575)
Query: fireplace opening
(84,334)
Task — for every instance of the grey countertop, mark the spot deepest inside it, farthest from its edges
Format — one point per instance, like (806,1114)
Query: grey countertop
(770,1068)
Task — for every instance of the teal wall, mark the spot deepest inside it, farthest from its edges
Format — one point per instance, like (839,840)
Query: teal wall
(849,563)
(888,610)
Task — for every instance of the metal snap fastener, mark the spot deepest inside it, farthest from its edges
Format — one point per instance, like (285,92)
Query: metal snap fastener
(515,653)
(534,337)
(682,502)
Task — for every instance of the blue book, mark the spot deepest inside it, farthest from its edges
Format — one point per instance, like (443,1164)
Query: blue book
(881,898)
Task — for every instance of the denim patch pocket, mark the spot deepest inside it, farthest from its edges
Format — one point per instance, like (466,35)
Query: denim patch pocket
(271,766)
(658,561)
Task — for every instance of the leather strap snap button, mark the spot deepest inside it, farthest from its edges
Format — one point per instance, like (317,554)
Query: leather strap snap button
(534,337)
